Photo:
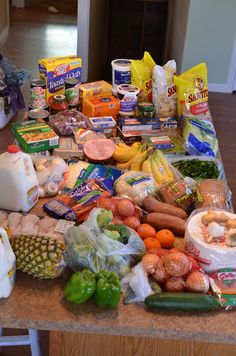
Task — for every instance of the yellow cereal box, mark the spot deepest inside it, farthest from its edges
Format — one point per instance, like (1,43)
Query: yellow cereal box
(56,69)
(94,88)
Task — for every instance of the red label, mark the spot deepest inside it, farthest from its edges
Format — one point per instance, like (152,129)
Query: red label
(62,69)
(199,108)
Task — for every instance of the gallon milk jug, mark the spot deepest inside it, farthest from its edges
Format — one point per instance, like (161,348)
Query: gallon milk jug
(19,189)
(7,265)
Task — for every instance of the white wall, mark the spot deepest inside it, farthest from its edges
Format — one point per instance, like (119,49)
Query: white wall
(210,38)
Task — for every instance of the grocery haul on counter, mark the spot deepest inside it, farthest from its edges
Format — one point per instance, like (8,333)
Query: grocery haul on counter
(135,199)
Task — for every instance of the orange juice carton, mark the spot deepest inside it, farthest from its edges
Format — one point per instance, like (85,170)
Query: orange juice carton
(102,105)
(56,69)
(94,88)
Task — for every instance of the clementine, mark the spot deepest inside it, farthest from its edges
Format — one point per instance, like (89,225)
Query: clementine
(151,242)
(166,238)
(146,230)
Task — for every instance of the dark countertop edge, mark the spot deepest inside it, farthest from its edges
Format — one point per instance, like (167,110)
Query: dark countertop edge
(119,331)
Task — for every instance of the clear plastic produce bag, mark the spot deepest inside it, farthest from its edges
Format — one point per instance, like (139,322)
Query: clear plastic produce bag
(89,246)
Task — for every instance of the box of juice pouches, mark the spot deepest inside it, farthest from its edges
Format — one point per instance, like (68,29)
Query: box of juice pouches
(56,69)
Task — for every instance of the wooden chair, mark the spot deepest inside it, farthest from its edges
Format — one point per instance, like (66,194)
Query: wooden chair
(32,339)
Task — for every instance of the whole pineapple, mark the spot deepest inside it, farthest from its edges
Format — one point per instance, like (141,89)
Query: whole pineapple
(39,256)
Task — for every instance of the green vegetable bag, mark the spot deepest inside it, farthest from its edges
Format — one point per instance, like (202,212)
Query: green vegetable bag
(97,245)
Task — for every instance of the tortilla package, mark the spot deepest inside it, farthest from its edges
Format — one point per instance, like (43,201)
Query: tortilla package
(164,90)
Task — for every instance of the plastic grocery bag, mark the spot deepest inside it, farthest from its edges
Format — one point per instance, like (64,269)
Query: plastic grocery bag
(135,285)
(89,246)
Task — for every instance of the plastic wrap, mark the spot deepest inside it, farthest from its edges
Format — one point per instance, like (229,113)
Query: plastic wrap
(66,121)
(213,193)
(88,246)
(135,186)
(209,242)
(135,285)
(49,172)
(163,89)
(199,136)
(76,204)
(180,193)
(223,286)
(198,167)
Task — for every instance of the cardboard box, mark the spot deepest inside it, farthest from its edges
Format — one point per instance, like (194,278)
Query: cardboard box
(94,88)
(103,124)
(56,69)
(102,105)
(35,136)
(139,124)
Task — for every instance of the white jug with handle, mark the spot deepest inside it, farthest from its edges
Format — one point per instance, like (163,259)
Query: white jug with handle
(19,189)
(7,265)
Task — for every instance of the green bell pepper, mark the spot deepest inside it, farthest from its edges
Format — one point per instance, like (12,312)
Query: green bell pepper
(80,287)
(108,289)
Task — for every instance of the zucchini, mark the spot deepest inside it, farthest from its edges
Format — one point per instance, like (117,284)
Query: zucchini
(182,301)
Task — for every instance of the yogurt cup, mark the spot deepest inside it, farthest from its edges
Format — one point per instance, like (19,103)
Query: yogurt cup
(121,73)
(128,96)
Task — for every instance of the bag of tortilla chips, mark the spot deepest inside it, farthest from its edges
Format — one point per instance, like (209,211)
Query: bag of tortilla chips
(141,71)
(192,91)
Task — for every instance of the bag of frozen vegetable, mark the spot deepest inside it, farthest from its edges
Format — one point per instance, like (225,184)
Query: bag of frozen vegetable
(192,91)
(141,71)
(199,136)
(98,244)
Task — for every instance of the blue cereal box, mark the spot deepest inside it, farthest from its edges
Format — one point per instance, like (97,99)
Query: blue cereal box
(56,69)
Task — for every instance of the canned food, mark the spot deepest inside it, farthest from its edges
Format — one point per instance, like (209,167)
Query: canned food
(72,92)
(58,103)
(38,94)
(36,114)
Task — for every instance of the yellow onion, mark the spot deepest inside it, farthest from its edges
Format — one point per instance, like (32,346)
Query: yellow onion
(149,262)
(197,282)
(175,284)
(177,264)
(160,274)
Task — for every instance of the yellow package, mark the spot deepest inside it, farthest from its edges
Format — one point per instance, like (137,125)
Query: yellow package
(192,91)
(55,70)
(141,71)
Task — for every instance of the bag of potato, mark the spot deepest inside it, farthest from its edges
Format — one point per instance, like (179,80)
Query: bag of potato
(164,90)
(141,71)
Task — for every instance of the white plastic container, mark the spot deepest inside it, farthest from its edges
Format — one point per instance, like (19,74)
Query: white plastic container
(19,189)
(121,73)
(8,265)
(128,96)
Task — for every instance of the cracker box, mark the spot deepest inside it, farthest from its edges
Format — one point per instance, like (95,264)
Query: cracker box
(35,136)
(56,69)
(102,105)
(94,88)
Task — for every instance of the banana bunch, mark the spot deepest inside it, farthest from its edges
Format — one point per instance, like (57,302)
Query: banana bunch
(140,157)
(124,153)
(157,165)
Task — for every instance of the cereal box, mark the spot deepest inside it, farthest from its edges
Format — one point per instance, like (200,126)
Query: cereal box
(56,69)
(35,136)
